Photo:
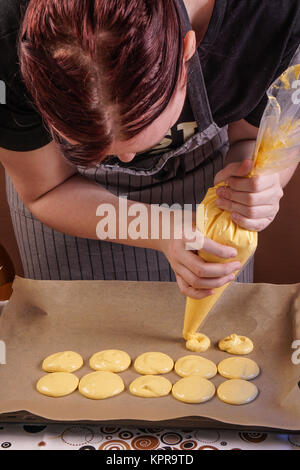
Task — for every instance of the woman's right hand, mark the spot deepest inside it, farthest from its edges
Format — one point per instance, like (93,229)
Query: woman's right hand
(195,277)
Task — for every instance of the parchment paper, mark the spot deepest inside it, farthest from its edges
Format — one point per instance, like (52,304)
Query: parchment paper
(44,317)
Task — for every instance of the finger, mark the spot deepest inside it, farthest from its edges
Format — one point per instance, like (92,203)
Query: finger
(238,169)
(268,197)
(201,269)
(222,251)
(257,184)
(254,225)
(203,283)
(189,291)
(252,212)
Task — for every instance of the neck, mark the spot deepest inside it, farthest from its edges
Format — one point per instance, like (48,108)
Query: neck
(200,13)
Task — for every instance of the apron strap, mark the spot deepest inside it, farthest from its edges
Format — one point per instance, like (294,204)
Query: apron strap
(196,84)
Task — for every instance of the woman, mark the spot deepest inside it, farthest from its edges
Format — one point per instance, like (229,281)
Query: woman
(123,107)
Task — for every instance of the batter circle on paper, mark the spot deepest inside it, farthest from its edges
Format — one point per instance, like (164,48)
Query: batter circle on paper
(150,386)
(237,392)
(193,389)
(238,368)
(153,363)
(66,361)
(100,385)
(57,384)
(111,360)
(195,365)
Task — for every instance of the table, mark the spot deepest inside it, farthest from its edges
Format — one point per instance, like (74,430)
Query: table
(94,437)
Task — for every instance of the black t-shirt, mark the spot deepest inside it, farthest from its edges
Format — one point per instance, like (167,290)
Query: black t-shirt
(249,43)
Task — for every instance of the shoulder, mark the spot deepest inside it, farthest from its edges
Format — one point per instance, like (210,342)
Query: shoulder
(248,45)
(11,13)
(265,17)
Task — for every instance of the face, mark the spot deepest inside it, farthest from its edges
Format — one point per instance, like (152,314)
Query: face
(153,134)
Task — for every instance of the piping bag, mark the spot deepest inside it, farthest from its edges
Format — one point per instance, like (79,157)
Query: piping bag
(277,148)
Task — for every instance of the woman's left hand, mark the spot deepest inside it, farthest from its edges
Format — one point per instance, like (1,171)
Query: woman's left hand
(253,202)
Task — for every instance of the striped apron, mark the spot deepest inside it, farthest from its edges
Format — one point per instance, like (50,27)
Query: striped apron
(180,176)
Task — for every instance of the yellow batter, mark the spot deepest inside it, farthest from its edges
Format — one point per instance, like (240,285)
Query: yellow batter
(219,227)
(111,360)
(236,344)
(197,342)
(57,384)
(195,365)
(153,363)
(291,74)
(67,361)
(101,384)
(237,392)
(238,368)
(193,389)
(150,386)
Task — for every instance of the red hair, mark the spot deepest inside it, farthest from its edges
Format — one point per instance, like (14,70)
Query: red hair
(100,70)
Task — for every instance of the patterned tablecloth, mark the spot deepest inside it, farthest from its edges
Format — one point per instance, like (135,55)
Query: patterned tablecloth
(93,437)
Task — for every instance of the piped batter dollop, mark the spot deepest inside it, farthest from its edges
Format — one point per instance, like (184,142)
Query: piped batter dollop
(236,344)
(197,342)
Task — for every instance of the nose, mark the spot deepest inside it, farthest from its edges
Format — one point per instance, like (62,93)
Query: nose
(126,157)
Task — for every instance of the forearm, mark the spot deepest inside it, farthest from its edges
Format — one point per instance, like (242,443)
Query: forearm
(72,208)
(243,150)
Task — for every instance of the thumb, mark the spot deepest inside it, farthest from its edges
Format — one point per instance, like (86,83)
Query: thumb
(239,169)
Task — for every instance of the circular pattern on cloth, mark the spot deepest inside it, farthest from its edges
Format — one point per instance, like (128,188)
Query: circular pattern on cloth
(188,445)
(171,438)
(110,430)
(151,430)
(145,443)
(87,448)
(294,439)
(77,436)
(32,429)
(126,435)
(6,445)
(208,448)
(115,444)
(253,437)
(206,436)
